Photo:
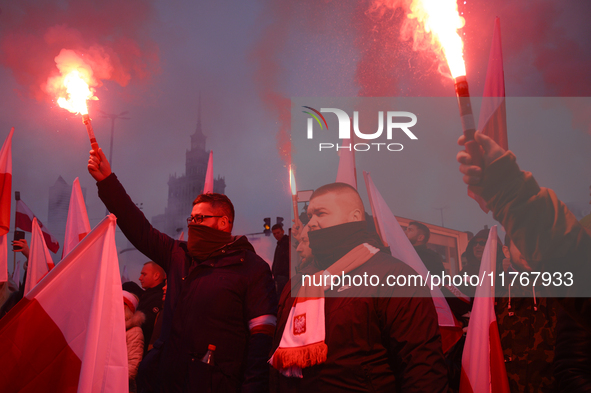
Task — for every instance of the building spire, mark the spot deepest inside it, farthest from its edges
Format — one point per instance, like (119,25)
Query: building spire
(198,139)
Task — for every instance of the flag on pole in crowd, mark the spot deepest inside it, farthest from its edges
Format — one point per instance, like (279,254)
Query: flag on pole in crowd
(347,172)
(16,274)
(208,187)
(24,220)
(68,333)
(493,113)
(40,262)
(5,198)
(182,236)
(483,364)
(124,275)
(392,235)
(77,225)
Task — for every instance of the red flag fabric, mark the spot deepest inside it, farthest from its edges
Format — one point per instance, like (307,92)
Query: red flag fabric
(40,262)
(5,199)
(68,333)
(24,220)
(493,114)
(483,364)
(77,225)
(392,233)
(347,172)
(5,183)
(208,187)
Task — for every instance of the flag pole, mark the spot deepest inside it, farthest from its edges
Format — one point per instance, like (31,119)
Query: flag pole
(373,211)
(17,197)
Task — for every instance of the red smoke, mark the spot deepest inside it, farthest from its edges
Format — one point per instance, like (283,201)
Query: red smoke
(110,35)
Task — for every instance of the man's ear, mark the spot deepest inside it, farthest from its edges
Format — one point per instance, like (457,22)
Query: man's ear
(420,238)
(506,252)
(224,224)
(356,215)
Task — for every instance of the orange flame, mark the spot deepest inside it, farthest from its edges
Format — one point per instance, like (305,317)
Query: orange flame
(292,182)
(77,92)
(72,87)
(441,19)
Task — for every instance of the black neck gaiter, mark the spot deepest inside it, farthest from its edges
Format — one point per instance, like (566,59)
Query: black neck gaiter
(330,244)
(203,241)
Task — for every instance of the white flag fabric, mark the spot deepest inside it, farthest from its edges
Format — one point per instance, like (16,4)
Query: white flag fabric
(40,262)
(68,333)
(347,172)
(483,364)
(392,233)
(77,225)
(208,187)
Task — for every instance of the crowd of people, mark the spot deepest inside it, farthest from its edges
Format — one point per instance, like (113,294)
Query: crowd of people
(211,316)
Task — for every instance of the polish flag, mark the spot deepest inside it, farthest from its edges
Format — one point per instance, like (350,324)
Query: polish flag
(68,333)
(16,274)
(5,199)
(24,220)
(208,187)
(483,364)
(347,172)
(40,262)
(182,236)
(77,225)
(392,234)
(493,113)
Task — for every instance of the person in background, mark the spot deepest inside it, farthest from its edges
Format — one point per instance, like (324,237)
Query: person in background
(134,338)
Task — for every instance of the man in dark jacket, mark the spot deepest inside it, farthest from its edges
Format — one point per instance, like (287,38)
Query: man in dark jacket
(418,234)
(220,292)
(153,279)
(375,337)
(281,258)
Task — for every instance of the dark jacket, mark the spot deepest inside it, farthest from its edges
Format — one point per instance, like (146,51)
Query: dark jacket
(207,302)
(150,304)
(431,259)
(281,263)
(377,340)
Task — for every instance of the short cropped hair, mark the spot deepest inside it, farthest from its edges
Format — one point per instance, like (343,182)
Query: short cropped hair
(217,202)
(341,189)
(423,229)
(277,226)
(158,268)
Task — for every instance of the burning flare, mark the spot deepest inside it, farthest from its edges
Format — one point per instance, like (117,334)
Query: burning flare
(77,92)
(292,182)
(441,19)
(72,88)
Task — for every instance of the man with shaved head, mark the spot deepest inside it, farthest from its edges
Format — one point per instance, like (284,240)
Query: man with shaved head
(356,335)
(152,278)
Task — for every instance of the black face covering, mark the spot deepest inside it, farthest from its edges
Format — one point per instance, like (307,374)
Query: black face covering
(203,240)
(330,244)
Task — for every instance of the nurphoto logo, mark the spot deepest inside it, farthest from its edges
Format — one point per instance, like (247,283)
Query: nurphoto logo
(395,121)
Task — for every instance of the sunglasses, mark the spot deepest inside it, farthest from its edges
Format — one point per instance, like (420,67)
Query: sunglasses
(198,218)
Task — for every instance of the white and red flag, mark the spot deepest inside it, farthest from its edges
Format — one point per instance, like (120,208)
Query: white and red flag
(208,187)
(68,333)
(40,262)
(483,364)
(5,198)
(347,172)
(16,274)
(493,113)
(391,233)
(24,220)
(77,225)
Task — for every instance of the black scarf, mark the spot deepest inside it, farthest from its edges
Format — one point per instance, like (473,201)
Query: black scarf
(204,241)
(330,244)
